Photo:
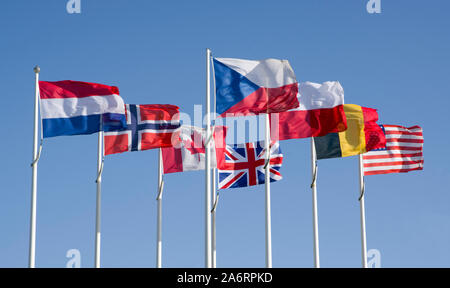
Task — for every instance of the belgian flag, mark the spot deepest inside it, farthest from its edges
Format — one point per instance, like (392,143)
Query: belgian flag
(362,135)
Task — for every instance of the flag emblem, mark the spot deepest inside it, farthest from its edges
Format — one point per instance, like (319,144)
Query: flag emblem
(242,165)
(148,127)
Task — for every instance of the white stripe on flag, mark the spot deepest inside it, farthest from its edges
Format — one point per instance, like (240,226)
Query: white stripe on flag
(403,136)
(395,159)
(394,167)
(158,130)
(73,107)
(391,152)
(404,144)
(170,122)
(401,129)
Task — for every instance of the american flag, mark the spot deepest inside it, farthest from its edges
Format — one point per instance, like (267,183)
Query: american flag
(242,165)
(403,152)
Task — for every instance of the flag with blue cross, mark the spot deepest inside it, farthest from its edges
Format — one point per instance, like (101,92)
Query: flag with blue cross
(148,127)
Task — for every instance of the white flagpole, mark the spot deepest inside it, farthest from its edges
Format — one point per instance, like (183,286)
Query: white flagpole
(314,199)
(159,212)
(213,214)
(214,185)
(99,195)
(208,166)
(32,248)
(362,213)
(267,180)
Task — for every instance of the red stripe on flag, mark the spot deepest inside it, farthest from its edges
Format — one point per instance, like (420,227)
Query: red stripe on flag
(418,148)
(404,140)
(308,123)
(230,155)
(280,99)
(116,143)
(401,133)
(387,156)
(155,140)
(381,164)
(401,127)
(232,180)
(374,135)
(74,89)
(391,171)
(273,171)
(157,112)
(172,160)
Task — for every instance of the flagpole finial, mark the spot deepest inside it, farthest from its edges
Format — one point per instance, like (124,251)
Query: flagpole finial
(37,69)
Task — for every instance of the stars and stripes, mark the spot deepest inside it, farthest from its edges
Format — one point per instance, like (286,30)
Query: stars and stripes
(403,152)
(242,165)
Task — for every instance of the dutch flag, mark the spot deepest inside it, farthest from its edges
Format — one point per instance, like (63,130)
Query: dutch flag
(77,108)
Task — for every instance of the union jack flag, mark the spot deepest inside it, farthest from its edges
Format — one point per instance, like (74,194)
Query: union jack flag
(242,165)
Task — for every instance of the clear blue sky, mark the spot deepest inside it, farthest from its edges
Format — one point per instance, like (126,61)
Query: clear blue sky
(154,51)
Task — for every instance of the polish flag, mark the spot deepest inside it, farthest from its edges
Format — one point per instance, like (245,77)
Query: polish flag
(321,111)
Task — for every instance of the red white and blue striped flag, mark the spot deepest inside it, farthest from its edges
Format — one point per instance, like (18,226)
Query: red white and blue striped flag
(78,108)
(403,152)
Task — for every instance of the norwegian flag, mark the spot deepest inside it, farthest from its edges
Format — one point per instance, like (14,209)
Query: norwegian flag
(242,165)
(148,126)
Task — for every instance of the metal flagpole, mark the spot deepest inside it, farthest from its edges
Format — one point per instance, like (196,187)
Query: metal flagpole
(99,195)
(208,166)
(213,215)
(314,199)
(267,180)
(32,248)
(214,177)
(362,212)
(159,212)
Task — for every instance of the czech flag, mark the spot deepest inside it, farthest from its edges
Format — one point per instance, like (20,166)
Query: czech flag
(249,87)
(362,135)
(77,108)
